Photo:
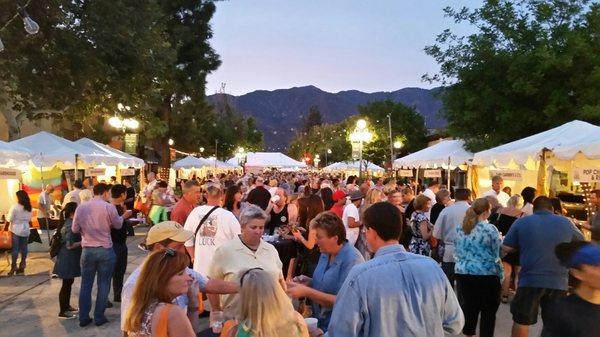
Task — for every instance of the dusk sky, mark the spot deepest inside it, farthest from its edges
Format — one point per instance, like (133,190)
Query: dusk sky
(368,45)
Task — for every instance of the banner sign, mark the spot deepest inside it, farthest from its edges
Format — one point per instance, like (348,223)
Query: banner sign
(514,175)
(131,143)
(587,175)
(94,172)
(432,173)
(405,173)
(127,172)
(356,150)
(8,173)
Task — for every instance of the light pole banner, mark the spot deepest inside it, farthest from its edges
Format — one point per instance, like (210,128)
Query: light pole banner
(405,173)
(587,175)
(514,175)
(432,173)
(356,150)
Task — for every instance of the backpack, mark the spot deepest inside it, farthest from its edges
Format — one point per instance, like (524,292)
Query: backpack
(55,243)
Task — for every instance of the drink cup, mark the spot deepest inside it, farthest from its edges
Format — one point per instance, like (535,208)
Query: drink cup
(217,321)
(311,323)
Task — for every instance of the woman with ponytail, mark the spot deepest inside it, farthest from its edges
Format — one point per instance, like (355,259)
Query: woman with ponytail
(478,269)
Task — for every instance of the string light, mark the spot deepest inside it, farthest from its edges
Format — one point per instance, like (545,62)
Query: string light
(31,27)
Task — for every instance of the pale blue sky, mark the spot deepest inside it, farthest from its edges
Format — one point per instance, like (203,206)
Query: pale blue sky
(369,45)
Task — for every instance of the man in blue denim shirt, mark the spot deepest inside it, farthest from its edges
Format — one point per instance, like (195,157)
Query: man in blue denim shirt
(396,293)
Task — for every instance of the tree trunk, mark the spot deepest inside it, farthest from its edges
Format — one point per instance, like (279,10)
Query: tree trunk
(165,113)
(14,125)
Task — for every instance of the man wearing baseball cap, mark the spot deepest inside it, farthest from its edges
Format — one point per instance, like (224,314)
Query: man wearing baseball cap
(170,234)
(339,197)
(351,217)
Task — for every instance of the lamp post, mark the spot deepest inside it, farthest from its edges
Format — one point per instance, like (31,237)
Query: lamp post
(328,152)
(397,145)
(123,124)
(389,116)
(240,155)
(317,161)
(360,135)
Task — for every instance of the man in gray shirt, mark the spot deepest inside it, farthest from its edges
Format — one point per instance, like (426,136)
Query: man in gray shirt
(396,293)
(445,228)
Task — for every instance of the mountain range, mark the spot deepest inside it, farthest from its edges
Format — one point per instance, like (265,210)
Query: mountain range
(281,111)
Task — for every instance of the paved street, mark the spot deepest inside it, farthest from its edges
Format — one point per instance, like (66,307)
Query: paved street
(29,304)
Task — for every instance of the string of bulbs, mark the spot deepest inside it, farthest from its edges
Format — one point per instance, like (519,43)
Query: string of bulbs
(31,27)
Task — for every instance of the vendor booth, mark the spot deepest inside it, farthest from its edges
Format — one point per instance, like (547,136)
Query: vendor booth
(257,162)
(191,166)
(120,163)
(13,160)
(554,161)
(447,155)
(352,168)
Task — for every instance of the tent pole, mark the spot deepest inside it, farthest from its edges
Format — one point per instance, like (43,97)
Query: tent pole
(43,188)
(448,174)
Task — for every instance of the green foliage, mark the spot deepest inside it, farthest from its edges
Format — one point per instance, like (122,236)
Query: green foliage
(313,118)
(532,65)
(407,126)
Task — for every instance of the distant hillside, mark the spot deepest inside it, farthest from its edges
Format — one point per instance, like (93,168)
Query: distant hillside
(278,111)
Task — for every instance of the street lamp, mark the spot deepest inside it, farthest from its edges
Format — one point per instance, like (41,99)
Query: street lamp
(328,152)
(398,145)
(240,155)
(359,136)
(124,124)
(171,142)
(317,161)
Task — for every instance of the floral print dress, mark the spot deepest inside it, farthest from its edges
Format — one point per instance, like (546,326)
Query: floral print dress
(418,245)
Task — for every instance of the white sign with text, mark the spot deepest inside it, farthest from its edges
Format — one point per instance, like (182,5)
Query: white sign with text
(514,175)
(405,173)
(8,173)
(587,175)
(94,172)
(432,173)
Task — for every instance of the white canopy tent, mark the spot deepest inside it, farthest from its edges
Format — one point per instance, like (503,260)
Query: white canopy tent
(221,165)
(261,160)
(567,147)
(190,162)
(48,150)
(120,158)
(446,154)
(352,166)
(13,156)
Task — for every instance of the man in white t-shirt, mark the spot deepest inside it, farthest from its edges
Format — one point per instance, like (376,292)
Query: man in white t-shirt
(220,227)
(147,191)
(73,196)
(351,217)
(496,191)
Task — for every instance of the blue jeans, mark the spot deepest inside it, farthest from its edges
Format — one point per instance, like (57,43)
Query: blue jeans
(95,260)
(19,245)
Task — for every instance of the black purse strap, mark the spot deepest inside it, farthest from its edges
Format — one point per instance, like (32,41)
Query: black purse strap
(202,221)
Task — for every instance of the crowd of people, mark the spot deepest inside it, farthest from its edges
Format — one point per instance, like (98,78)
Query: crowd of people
(374,257)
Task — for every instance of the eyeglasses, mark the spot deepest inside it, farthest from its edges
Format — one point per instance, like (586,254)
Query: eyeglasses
(246,273)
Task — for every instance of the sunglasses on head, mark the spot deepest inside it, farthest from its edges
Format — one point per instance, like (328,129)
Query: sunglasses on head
(170,252)
(246,273)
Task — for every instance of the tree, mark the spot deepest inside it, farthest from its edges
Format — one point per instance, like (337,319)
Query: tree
(407,125)
(321,138)
(531,65)
(313,118)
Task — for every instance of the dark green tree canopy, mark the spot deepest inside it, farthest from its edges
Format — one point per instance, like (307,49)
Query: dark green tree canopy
(531,65)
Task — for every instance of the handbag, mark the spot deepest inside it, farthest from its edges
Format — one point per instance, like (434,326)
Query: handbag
(5,238)
(55,243)
(34,236)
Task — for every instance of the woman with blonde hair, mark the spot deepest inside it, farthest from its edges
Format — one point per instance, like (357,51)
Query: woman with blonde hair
(478,269)
(373,196)
(151,313)
(264,309)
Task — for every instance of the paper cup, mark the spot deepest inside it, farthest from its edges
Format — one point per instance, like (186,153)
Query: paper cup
(311,322)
